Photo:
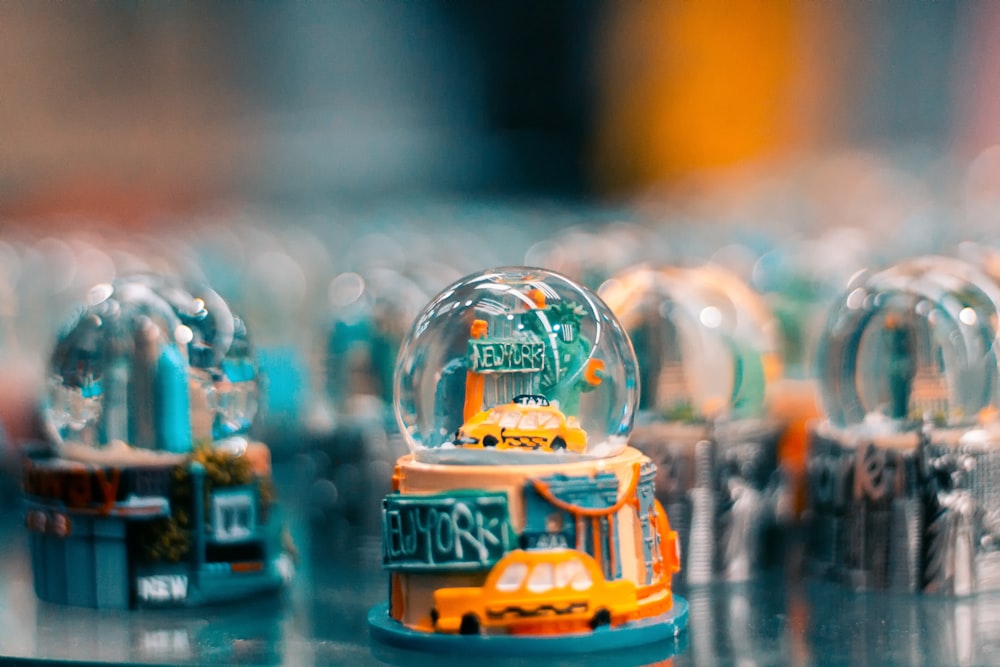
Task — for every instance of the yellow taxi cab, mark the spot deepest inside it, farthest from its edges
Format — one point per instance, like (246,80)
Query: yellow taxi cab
(536,587)
(527,422)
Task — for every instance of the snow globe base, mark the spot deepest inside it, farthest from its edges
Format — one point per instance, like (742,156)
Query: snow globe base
(640,632)
(535,553)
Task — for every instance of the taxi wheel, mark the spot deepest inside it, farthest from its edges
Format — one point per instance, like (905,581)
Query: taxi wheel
(601,618)
(490,441)
(558,443)
(470,625)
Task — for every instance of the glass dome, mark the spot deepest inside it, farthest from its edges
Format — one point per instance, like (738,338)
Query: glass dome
(150,368)
(516,365)
(911,344)
(707,344)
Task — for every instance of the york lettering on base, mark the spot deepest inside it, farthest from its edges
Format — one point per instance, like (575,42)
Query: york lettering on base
(459,531)
(162,588)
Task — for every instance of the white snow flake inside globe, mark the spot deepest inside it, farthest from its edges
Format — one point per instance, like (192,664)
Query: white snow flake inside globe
(148,370)
(516,365)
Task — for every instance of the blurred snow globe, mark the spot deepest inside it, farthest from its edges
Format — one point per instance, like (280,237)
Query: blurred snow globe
(707,344)
(912,345)
(371,313)
(148,370)
(708,349)
(515,365)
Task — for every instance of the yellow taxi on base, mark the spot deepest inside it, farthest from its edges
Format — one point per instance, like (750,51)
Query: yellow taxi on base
(527,422)
(535,587)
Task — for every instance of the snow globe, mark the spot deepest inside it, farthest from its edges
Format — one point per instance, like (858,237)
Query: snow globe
(707,348)
(153,493)
(902,491)
(521,521)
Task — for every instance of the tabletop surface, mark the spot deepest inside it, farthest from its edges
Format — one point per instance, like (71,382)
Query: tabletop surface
(332,512)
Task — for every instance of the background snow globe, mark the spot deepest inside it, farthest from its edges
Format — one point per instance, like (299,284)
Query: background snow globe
(147,371)
(516,365)
(908,377)
(708,349)
(708,344)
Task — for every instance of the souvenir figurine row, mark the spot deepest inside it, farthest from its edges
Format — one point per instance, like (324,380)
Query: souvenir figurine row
(529,509)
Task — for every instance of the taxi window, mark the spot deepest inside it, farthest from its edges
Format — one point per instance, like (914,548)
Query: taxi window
(565,572)
(493,417)
(540,579)
(572,573)
(512,578)
(548,420)
(582,580)
(510,419)
(529,420)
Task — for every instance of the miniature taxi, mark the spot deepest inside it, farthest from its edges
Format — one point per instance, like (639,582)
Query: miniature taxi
(529,421)
(537,587)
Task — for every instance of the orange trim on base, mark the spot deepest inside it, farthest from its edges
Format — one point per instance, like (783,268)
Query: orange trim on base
(246,566)
(397,600)
(543,490)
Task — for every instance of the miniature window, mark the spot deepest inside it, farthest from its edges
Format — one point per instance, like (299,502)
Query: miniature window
(541,578)
(530,421)
(572,573)
(493,417)
(234,517)
(548,420)
(565,572)
(512,578)
(582,580)
(510,419)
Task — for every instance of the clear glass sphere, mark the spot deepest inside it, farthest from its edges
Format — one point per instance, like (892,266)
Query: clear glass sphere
(516,365)
(707,344)
(150,366)
(911,344)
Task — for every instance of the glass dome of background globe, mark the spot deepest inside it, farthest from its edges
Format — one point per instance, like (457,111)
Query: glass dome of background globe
(150,365)
(707,344)
(913,343)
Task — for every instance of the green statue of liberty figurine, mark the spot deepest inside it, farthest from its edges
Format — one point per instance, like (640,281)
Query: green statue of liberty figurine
(901,369)
(568,369)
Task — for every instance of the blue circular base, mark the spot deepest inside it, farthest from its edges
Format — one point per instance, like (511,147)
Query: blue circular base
(636,633)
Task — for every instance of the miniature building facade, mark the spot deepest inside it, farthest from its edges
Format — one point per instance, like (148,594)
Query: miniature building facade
(179,535)
(436,535)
